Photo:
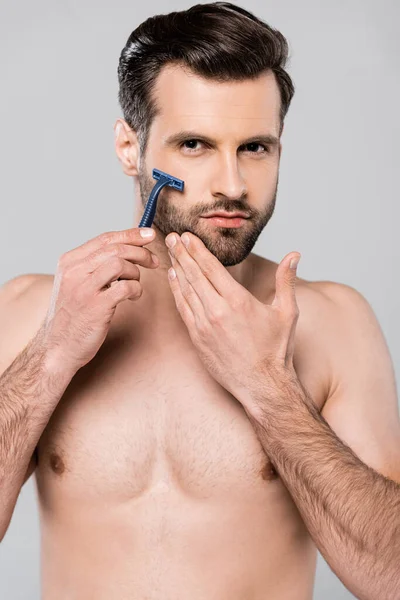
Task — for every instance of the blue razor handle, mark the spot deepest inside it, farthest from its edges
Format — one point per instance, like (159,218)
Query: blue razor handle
(151,205)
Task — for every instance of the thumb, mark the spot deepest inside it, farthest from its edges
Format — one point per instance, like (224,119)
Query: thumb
(285,287)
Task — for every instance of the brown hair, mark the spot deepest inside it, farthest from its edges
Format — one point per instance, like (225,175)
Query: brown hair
(218,41)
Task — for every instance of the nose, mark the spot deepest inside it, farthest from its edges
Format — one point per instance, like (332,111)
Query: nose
(228,180)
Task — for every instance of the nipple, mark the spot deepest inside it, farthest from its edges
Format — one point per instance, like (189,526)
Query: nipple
(56,463)
(268,471)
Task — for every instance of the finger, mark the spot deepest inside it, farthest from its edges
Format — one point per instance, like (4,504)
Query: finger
(181,304)
(115,268)
(187,291)
(285,292)
(134,254)
(128,236)
(122,290)
(195,286)
(211,267)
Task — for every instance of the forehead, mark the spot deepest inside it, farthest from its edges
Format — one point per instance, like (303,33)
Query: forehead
(188,100)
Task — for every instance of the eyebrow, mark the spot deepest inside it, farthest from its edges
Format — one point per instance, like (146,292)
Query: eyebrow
(183,135)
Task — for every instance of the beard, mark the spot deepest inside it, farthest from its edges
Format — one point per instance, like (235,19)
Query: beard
(230,245)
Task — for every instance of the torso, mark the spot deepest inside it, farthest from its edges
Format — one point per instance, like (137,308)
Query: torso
(152,483)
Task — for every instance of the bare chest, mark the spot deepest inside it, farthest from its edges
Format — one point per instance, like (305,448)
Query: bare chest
(145,416)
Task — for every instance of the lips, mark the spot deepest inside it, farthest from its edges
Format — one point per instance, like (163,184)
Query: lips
(227,215)
(231,222)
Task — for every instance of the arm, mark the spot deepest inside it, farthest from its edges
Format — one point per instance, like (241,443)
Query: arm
(31,386)
(350,508)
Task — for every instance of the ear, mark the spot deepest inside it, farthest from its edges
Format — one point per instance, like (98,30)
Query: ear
(127,147)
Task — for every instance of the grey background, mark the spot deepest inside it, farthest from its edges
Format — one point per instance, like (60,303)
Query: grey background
(61,182)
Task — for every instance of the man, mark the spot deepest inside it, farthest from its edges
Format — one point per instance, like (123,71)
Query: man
(203,440)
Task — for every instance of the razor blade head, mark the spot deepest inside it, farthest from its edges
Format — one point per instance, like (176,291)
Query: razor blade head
(174,182)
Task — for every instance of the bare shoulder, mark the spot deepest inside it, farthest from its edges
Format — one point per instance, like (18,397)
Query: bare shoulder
(332,316)
(345,307)
(326,307)
(316,300)
(313,296)
(343,327)
(24,301)
(13,288)
(318,297)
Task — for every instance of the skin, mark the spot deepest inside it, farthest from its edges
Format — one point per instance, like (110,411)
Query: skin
(152,482)
(222,178)
(189,481)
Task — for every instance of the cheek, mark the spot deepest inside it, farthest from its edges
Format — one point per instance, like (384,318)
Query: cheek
(194,172)
(261,185)
(173,164)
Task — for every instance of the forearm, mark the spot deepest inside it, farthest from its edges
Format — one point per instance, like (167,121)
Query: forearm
(30,390)
(351,511)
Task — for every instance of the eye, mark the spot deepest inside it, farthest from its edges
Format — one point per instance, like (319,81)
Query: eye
(252,144)
(265,149)
(191,142)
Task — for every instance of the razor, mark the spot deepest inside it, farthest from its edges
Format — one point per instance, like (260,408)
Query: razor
(163,179)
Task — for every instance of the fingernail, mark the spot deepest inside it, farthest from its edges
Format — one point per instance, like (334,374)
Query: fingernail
(171,241)
(294,262)
(171,273)
(146,233)
(155,259)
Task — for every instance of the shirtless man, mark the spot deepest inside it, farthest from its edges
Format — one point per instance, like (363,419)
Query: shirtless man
(156,479)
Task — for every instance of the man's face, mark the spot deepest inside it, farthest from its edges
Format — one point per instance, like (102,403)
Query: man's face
(227,173)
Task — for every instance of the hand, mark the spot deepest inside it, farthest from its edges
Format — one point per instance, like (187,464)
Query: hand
(239,339)
(89,283)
